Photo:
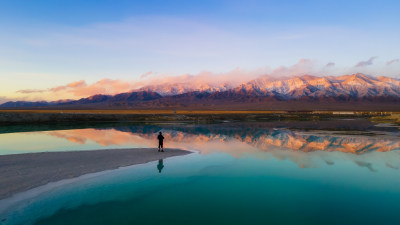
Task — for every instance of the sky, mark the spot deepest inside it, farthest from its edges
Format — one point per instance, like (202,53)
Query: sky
(50,44)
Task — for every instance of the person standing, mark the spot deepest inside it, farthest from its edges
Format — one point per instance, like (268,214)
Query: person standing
(160,142)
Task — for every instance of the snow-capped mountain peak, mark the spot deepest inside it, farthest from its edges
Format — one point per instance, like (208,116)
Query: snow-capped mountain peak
(356,86)
(169,89)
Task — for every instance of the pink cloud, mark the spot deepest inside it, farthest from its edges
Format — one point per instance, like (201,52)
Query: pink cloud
(330,64)
(368,62)
(30,91)
(82,89)
(302,67)
(392,61)
(75,84)
(104,86)
(146,74)
(234,77)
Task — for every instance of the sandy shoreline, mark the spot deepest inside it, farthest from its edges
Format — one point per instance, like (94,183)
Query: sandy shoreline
(21,172)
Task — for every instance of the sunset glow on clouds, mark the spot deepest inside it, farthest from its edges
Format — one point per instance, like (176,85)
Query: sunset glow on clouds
(65,49)
(81,88)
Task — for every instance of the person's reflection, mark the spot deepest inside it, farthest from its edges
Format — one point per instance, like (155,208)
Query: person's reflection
(160,165)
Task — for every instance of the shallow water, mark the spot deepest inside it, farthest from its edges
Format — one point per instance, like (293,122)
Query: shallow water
(253,173)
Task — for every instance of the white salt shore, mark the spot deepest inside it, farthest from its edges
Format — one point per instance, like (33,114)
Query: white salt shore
(21,172)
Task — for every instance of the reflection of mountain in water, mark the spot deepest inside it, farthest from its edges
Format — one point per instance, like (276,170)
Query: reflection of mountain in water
(262,141)
(262,138)
(302,141)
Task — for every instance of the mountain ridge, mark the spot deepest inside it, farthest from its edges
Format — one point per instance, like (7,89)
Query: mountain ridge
(305,88)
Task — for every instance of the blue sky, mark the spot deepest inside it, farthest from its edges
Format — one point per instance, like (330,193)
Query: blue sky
(44,44)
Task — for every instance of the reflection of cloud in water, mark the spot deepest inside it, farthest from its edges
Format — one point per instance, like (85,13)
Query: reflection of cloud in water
(329,162)
(280,144)
(101,137)
(365,164)
(73,139)
(391,166)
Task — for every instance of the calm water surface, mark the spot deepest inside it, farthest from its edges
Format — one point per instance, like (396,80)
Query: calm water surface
(240,173)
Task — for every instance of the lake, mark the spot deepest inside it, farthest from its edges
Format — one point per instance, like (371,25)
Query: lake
(285,172)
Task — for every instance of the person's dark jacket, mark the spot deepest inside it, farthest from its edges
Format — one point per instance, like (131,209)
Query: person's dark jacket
(160,138)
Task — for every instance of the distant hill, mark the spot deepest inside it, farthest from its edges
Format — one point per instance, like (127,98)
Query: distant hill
(24,104)
(352,92)
(123,97)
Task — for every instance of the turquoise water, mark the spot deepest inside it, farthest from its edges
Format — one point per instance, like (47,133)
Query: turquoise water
(239,174)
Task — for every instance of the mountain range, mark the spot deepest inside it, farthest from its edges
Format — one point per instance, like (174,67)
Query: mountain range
(299,92)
